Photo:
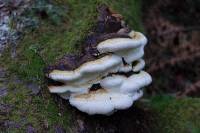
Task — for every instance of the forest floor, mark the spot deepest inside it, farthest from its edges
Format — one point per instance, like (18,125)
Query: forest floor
(174,46)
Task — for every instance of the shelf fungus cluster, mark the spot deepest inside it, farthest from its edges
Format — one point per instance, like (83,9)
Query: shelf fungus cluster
(107,75)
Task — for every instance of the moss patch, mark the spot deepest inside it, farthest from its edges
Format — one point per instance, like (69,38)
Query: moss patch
(43,46)
(49,42)
(176,115)
(40,112)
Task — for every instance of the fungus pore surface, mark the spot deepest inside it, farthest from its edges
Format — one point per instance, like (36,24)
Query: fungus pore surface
(110,58)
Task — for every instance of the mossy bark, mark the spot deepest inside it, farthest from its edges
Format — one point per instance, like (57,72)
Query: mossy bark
(45,112)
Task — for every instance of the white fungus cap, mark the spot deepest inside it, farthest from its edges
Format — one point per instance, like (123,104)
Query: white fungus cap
(130,49)
(119,44)
(135,82)
(125,84)
(88,71)
(139,65)
(103,102)
(118,91)
(125,68)
(70,88)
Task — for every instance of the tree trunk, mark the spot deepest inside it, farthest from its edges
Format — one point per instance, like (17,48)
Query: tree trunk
(25,102)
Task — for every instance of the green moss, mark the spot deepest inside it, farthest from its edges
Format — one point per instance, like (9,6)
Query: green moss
(38,111)
(43,46)
(49,42)
(176,115)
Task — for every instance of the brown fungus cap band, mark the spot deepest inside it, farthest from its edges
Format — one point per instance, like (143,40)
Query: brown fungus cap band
(107,74)
(107,28)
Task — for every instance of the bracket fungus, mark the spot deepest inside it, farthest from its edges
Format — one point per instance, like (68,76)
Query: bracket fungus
(107,74)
